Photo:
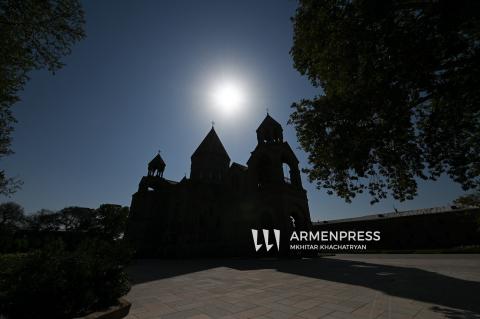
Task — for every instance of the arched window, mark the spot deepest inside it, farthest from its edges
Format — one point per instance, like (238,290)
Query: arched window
(286,173)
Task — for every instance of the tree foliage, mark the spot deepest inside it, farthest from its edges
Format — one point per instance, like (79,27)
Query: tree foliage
(469,200)
(34,34)
(11,215)
(62,264)
(108,221)
(400,94)
(76,218)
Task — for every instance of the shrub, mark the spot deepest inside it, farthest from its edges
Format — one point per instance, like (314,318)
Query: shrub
(55,283)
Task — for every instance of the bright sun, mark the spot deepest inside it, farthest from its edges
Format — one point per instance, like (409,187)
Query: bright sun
(228,98)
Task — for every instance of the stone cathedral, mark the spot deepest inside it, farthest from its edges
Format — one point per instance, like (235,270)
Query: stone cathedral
(212,212)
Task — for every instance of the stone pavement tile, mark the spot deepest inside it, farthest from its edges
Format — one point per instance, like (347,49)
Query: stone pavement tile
(216,290)
(201,316)
(261,297)
(307,303)
(167,297)
(241,293)
(315,312)
(254,290)
(182,314)
(291,310)
(269,299)
(207,296)
(284,291)
(302,290)
(234,293)
(214,312)
(292,300)
(252,313)
(217,302)
(345,315)
(179,303)
(407,309)
(315,292)
(135,304)
(328,299)
(366,297)
(340,307)
(353,304)
(145,300)
(191,305)
(138,309)
(369,311)
(159,308)
(148,315)
(277,315)
(394,315)
(240,306)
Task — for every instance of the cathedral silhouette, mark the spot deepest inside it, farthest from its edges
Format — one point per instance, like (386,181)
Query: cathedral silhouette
(212,212)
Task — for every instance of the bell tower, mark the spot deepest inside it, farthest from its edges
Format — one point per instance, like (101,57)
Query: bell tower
(273,158)
(273,171)
(156,166)
(269,131)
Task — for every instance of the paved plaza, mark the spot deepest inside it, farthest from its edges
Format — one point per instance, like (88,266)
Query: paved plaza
(342,286)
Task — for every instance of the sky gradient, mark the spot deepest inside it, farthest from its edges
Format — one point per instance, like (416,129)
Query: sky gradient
(142,81)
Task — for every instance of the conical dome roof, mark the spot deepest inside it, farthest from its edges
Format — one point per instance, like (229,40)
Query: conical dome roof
(157,161)
(210,145)
(269,131)
(269,123)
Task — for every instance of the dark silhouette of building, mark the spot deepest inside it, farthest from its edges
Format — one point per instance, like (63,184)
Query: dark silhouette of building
(448,228)
(213,211)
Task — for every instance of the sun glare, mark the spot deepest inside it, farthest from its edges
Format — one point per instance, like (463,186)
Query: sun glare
(228,98)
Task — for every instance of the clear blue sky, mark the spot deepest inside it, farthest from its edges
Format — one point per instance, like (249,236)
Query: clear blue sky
(142,80)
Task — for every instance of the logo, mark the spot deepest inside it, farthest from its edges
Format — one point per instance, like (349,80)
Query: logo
(268,246)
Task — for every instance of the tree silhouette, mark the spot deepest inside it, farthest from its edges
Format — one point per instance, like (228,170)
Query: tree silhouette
(469,200)
(34,34)
(11,215)
(399,96)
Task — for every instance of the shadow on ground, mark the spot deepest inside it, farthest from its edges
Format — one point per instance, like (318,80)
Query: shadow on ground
(411,283)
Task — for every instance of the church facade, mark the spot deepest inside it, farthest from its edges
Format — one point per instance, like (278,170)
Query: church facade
(212,212)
